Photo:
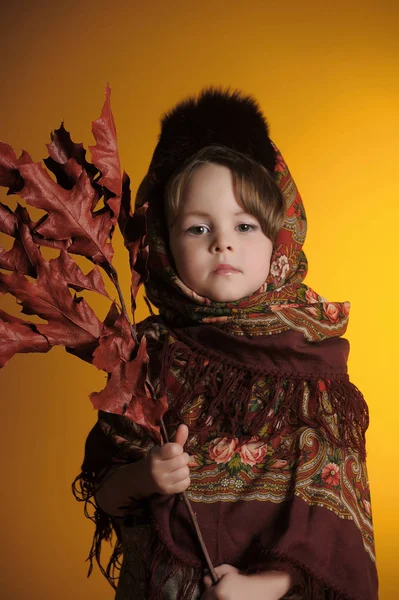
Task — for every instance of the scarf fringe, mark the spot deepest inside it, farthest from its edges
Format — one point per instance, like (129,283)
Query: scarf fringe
(165,568)
(83,489)
(239,394)
(307,586)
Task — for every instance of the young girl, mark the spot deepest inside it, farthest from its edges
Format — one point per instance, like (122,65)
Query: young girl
(268,432)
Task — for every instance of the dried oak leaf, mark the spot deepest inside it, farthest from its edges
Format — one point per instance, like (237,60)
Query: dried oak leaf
(116,343)
(15,259)
(61,150)
(71,322)
(133,226)
(126,392)
(18,260)
(8,221)
(70,216)
(67,159)
(105,154)
(17,335)
(9,168)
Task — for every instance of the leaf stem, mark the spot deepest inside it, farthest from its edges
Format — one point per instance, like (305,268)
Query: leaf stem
(194,520)
(113,275)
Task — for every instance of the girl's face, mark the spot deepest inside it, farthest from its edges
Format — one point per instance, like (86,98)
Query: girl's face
(219,250)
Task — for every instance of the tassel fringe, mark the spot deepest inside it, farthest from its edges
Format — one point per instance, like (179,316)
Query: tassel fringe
(308,586)
(165,570)
(234,395)
(83,488)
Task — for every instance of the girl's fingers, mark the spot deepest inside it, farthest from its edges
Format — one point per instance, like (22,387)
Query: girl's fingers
(179,487)
(179,475)
(220,572)
(224,569)
(177,462)
(170,450)
(181,435)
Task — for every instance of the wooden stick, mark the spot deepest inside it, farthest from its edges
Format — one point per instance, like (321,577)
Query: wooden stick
(194,520)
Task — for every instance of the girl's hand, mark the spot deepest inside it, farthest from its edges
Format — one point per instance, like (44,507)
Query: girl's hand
(165,469)
(268,585)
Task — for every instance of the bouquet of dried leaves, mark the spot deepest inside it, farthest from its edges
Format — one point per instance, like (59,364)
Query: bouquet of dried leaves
(82,208)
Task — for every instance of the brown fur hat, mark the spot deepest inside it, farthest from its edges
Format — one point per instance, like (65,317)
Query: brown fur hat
(218,117)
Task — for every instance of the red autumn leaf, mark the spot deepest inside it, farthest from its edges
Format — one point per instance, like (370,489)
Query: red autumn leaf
(76,279)
(139,274)
(134,228)
(144,409)
(17,259)
(71,322)
(70,215)
(61,150)
(67,159)
(19,336)
(133,225)
(8,221)
(9,167)
(9,226)
(105,154)
(126,393)
(116,343)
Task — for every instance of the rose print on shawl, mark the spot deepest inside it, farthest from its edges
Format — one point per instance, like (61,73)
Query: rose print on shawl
(253,452)
(331,310)
(235,457)
(221,450)
(311,296)
(345,307)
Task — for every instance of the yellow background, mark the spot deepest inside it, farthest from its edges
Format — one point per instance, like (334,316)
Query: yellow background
(326,76)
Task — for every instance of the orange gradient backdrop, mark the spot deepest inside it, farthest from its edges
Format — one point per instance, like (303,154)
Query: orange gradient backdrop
(326,77)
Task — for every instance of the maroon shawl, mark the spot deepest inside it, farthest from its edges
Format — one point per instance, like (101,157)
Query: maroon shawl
(278,478)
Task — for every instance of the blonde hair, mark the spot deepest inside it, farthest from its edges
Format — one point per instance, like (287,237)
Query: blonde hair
(256,190)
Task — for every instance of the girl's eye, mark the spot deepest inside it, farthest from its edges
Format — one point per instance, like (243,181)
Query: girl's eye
(198,229)
(244,227)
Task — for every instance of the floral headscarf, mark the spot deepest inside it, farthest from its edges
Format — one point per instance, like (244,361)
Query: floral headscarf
(282,303)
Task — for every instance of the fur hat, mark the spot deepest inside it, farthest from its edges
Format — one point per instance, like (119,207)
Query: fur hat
(216,117)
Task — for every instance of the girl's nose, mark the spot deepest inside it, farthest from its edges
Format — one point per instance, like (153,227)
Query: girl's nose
(220,243)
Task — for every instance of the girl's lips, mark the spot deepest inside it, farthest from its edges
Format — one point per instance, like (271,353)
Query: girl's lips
(225,270)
